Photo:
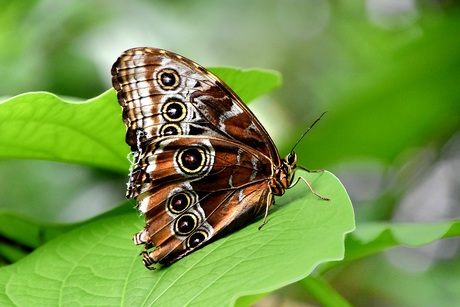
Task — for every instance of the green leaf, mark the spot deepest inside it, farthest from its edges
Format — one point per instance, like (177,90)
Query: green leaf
(249,84)
(20,235)
(371,238)
(97,264)
(323,292)
(43,126)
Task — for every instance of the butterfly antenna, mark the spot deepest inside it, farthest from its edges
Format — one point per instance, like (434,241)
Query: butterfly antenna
(303,135)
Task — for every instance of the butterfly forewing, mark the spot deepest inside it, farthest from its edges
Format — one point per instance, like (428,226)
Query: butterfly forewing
(203,165)
(163,93)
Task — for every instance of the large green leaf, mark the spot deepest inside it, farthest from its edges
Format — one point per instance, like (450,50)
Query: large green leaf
(97,264)
(44,126)
(375,237)
(20,235)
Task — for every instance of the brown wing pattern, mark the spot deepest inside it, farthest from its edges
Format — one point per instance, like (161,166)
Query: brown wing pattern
(202,161)
(163,93)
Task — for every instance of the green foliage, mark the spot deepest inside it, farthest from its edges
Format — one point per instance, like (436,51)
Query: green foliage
(42,126)
(387,74)
(97,263)
(303,228)
(256,81)
(412,99)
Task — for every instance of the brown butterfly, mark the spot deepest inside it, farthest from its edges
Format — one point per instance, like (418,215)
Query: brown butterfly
(203,165)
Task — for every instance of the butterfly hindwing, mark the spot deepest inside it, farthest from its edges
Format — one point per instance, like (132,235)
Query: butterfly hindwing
(219,191)
(202,216)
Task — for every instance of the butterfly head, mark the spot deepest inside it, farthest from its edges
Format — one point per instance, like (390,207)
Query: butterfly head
(291,158)
(289,166)
(286,171)
(284,174)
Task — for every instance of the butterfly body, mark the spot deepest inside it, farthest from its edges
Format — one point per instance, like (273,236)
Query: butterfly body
(203,165)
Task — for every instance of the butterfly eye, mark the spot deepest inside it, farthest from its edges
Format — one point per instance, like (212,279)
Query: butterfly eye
(291,158)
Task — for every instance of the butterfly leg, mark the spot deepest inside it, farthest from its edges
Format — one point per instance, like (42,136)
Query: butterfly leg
(309,186)
(310,170)
(267,207)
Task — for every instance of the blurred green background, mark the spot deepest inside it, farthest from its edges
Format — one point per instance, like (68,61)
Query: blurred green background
(388,72)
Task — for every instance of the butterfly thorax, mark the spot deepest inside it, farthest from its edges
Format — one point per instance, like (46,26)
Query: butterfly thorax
(283,174)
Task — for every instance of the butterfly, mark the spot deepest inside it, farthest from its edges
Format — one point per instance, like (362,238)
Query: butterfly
(202,164)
